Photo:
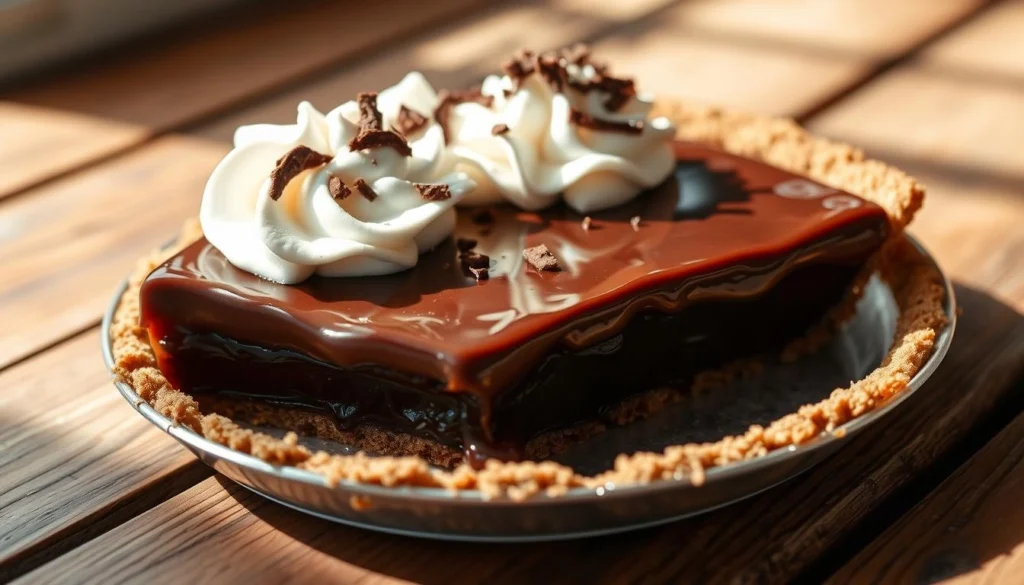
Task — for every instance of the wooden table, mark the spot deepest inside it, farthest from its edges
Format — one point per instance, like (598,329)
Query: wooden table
(102,159)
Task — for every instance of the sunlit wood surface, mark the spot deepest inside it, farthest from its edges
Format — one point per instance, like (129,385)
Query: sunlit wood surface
(102,159)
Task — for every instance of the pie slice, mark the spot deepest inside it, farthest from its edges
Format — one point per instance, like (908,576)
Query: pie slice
(728,258)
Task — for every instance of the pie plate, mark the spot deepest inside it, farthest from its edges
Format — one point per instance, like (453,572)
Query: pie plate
(466,515)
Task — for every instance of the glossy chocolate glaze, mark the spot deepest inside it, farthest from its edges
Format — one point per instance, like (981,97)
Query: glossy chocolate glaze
(731,257)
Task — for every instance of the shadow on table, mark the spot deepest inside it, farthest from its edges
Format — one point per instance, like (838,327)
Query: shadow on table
(790,531)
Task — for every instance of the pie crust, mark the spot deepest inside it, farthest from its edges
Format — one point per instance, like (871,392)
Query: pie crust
(779,142)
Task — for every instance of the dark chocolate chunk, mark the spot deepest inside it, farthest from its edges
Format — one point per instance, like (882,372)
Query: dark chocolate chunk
(499,129)
(447,99)
(465,244)
(541,258)
(291,164)
(434,192)
(371,128)
(337,188)
(479,273)
(365,190)
(410,121)
(586,121)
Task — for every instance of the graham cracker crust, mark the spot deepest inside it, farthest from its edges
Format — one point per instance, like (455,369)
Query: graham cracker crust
(780,142)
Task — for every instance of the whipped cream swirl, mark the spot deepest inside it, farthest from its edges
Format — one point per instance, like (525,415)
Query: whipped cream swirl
(559,124)
(357,212)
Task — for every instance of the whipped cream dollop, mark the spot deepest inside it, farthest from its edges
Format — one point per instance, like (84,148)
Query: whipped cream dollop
(558,124)
(362,190)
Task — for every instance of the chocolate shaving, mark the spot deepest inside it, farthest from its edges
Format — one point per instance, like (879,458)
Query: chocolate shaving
(578,54)
(475,264)
(410,121)
(337,188)
(433,192)
(499,129)
(289,166)
(448,99)
(541,259)
(369,116)
(520,66)
(553,66)
(586,223)
(465,244)
(365,190)
(619,91)
(587,121)
(552,69)
(371,128)
(635,222)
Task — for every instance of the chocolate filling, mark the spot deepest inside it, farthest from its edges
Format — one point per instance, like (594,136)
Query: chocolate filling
(722,268)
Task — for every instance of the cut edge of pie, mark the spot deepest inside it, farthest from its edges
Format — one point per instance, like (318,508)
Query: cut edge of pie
(780,142)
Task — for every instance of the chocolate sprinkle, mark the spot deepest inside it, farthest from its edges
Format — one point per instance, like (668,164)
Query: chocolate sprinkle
(499,129)
(541,259)
(289,166)
(365,190)
(586,121)
(410,121)
(434,192)
(371,128)
(337,188)
(447,99)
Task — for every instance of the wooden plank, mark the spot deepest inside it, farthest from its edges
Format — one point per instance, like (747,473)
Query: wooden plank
(769,538)
(962,139)
(63,250)
(124,206)
(875,29)
(674,51)
(970,530)
(72,451)
(93,110)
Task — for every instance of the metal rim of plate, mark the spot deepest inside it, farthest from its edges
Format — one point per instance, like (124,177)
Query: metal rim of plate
(423,512)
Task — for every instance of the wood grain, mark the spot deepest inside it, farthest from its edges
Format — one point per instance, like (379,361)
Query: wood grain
(64,249)
(93,110)
(73,450)
(769,538)
(964,139)
(104,217)
(970,530)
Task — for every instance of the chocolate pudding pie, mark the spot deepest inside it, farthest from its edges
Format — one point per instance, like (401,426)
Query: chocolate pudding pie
(473,279)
